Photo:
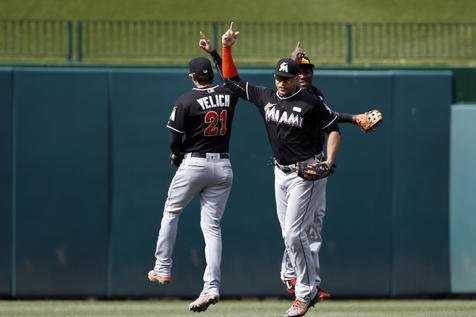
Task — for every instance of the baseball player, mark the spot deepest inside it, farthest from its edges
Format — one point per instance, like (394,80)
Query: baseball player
(293,119)
(200,126)
(305,76)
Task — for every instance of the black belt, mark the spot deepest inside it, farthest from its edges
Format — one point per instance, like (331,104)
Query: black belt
(292,167)
(286,168)
(204,155)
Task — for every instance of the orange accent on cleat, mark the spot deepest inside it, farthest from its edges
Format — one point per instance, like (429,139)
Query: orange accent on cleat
(298,308)
(290,285)
(322,294)
(153,277)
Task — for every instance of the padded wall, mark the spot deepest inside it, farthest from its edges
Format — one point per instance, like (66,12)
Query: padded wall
(91,175)
(5,179)
(61,181)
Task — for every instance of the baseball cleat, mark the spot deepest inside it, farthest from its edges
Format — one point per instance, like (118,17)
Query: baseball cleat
(202,302)
(322,294)
(153,277)
(300,306)
(290,285)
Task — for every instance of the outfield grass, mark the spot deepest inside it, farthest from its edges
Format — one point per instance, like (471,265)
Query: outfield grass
(246,10)
(234,308)
(320,45)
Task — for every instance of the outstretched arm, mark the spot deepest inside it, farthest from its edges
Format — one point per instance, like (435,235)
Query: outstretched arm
(207,46)
(368,121)
(227,40)
(346,118)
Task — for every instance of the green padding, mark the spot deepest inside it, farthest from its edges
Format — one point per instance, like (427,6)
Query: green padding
(464,83)
(421,182)
(357,235)
(141,105)
(92,155)
(5,179)
(62,181)
(463,199)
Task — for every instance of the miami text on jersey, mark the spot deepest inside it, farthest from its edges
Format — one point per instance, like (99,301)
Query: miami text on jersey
(272,114)
(214,101)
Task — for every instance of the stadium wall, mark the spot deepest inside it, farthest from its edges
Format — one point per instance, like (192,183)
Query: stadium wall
(85,172)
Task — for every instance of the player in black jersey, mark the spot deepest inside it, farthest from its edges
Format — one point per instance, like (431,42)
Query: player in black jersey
(293,120)
(304,78)
(200,126)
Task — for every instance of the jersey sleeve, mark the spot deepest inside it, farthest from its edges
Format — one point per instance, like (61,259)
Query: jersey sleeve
(218,61)
(245,90)
(177,119)
(326,118)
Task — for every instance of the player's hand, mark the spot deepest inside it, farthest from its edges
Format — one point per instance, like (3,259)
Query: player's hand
(205,43)
(229,37)
(298,53)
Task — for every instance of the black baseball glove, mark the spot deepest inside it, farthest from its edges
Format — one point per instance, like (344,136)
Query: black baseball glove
(176,159)
(314,171)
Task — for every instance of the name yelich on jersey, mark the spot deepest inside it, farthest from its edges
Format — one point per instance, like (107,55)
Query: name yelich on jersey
(214,101)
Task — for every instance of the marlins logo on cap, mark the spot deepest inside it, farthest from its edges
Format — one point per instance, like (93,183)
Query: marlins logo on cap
(200,66)
(286,67)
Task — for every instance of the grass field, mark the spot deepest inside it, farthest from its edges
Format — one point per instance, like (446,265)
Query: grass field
(318,44)
(246,10)
(235,308)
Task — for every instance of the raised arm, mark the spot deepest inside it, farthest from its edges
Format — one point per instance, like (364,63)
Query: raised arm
(227,40)
(207,46)
(298,53)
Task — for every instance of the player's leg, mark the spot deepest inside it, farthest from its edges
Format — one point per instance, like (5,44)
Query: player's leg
(299,215)
(315,229)
(315,233)
(213,200)
(315,241)
(280,194)
(186,183)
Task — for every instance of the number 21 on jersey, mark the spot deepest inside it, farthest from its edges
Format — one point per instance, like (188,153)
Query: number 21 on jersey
(216,123)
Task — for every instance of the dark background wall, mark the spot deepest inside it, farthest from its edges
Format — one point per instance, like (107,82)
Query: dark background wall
(5,178)
(85,172)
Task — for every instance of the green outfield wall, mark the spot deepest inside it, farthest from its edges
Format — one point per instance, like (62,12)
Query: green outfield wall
(85,171)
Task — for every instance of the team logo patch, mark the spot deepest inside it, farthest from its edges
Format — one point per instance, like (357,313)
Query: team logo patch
(297,109)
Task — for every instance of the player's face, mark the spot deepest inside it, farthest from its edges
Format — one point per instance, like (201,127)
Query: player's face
(305,76)
(285,85)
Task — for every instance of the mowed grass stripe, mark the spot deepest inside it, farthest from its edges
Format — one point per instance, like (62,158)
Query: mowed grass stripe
(238,308)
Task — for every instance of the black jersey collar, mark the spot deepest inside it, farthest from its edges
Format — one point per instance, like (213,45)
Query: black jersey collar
(202,89)
(283,98)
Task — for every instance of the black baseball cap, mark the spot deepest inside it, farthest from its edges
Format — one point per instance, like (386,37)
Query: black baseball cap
(306,62)
(286,67)
(201,67)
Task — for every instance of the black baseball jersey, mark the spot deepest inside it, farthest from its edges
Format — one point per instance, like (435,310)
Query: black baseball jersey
(204,116)
(293,123)
(317,92)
